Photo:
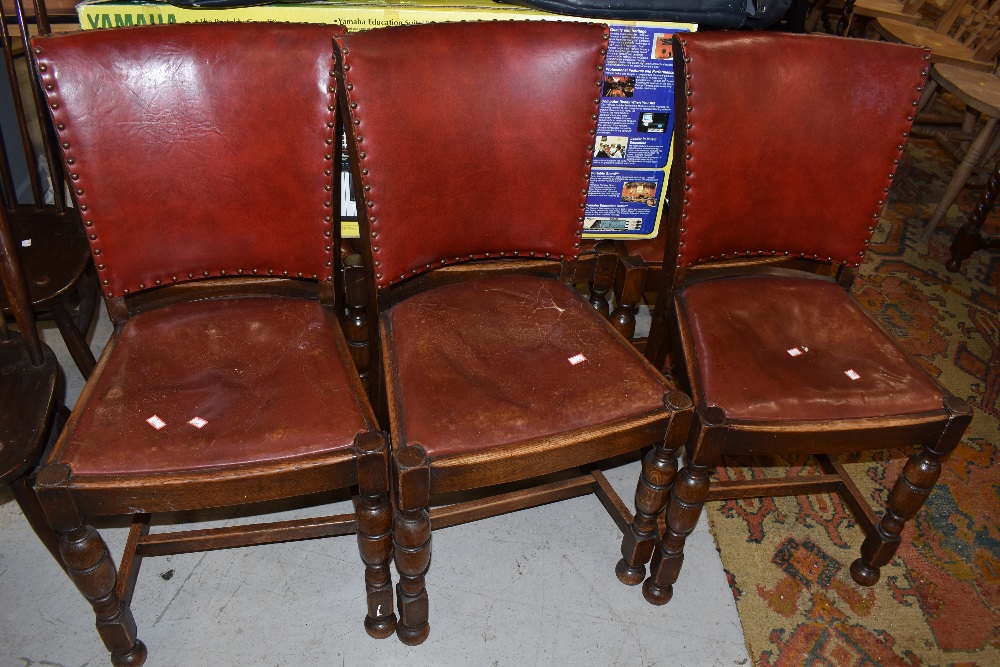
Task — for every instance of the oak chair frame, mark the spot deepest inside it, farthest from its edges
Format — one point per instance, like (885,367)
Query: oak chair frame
(715,434)
(420,481)
(68,499)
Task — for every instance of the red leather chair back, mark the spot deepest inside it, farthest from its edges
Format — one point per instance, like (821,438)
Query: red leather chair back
(473,139)
(197,150)
(788,143)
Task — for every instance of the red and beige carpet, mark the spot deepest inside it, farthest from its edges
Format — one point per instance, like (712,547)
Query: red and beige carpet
(787,559)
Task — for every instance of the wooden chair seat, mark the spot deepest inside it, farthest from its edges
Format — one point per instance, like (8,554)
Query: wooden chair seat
(766,352)
(944,49)
(454,354)
(53,251)
(241,378)
(27,397)
(892,9)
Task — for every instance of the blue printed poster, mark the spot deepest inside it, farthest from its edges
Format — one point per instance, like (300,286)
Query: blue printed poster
(634,132)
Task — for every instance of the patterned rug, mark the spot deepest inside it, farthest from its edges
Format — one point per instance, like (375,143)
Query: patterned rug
(787,559)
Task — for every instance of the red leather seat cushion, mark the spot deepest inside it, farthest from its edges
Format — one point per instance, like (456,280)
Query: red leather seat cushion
(486,363)
(743,329)
(264,373)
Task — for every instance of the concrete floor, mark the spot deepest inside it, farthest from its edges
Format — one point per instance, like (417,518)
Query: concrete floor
(529,588)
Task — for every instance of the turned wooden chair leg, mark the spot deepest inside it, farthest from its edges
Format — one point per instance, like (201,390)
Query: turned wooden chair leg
(89,564)
(652,492)
(908,495)
(374,514)
(960,178)
(411,537)
(687,497)
(603,281)
(630,280)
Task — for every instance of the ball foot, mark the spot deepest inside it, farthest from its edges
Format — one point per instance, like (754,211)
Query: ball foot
(658,595)
(380,628)
(131,658)
(629,575)
(413,636)
(863,573)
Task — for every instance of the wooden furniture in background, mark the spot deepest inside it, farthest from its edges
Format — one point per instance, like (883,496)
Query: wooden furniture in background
(27,393)
(50,240)
(970,236)
(495,370)
(976,142)
(227,380)
(906,11)
(967,34)
(784,361)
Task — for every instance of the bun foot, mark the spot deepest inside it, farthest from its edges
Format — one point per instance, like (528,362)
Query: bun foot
(628,575)
(658,595)
(131,658)
(413,636)
(863,573)
(380,628)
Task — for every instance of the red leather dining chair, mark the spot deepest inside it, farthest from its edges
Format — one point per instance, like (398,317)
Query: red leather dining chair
(781,359)
(471,146)
(201,158)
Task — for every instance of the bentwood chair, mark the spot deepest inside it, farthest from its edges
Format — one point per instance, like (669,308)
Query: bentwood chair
(781,360)
(201,157)
(27,393)
(50,241)
(471,146)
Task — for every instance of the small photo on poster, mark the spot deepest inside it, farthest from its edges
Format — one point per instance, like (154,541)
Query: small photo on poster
(640,191)
(611,147)
(618,86)
(663,49)
(652,121)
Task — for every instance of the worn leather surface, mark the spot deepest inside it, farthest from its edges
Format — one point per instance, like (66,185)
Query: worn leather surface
(795,154)
(742,329)
(197,150)
(263,372)
(474,139)
(487,363)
